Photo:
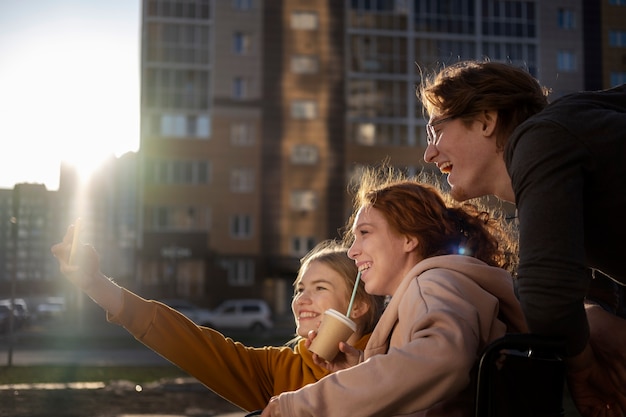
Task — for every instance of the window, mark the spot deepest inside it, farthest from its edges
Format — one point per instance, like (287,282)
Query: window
(301,245)
(203,172)
(241,226)
(242,4)
(380,134)
(383,54)
(242,180)
(183,126)
(303,109)
(566,61)
(203,127)
(241,134)
(240,272)
(175,88)
(303,200)
(177,218)
(187,172)
(369,98)
(240,87)
(181,9)
(366,134)
(173,125)
(304,64)
(617,2)
(178,42)
(617,38)
(565,19)
(304,154)
(507,18)
(304,20)
(241,43)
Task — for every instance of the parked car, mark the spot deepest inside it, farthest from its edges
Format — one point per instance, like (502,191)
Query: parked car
(22,315)
(5,312)
(50,307)
(241,314)
(252,314)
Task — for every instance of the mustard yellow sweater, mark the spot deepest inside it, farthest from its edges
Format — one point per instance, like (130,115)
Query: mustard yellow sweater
(246,376)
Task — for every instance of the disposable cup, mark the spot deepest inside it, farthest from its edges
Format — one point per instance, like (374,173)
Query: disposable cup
(334,328)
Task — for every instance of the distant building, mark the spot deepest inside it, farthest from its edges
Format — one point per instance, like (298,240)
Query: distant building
(604,27)
(35,218)
(255,117)
(257,114)
(25,258)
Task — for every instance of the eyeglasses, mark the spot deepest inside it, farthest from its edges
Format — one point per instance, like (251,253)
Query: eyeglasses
(431,135)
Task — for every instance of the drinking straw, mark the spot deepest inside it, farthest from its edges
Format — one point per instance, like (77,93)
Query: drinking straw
(356,285)
(74,241)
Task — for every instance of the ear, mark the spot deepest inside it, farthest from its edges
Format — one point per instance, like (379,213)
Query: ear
(489,120)
(359,308)
(410,243)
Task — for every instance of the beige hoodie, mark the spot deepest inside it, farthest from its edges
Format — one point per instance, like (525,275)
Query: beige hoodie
(419,360)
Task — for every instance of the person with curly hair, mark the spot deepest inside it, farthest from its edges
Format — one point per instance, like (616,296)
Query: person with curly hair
(443,265)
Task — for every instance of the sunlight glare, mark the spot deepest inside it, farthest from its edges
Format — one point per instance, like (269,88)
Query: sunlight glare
(73,99)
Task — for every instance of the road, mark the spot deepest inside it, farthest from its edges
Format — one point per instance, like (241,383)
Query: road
(88,357)
(42,343)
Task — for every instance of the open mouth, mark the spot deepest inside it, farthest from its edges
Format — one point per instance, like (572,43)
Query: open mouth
(307,315)
(445,167)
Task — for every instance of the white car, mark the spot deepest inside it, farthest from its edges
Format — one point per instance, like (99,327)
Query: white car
(21,313)
(241,314)
(50,307)
(252,314)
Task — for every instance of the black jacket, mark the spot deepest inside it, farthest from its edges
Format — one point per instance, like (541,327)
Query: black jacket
(568,170)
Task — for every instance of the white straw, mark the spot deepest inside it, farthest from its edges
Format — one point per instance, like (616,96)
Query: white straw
(356,285)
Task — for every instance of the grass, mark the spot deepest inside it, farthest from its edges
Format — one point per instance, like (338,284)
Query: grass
(80,373)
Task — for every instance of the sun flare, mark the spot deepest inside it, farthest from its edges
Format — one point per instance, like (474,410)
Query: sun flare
(68,98)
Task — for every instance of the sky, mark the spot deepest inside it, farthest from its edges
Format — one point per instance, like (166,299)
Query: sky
(69,86)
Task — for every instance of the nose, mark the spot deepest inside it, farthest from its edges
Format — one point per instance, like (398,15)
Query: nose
(430,152)
(302,297)
(353,251)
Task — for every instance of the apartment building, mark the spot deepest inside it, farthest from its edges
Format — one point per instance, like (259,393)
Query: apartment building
(25,245)
(199,152)
(257,114)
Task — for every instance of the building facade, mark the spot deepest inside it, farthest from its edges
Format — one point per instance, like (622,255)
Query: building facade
(257,114)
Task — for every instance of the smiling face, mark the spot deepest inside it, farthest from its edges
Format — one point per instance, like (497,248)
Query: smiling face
(468,154)
(382,255)
(319,288)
